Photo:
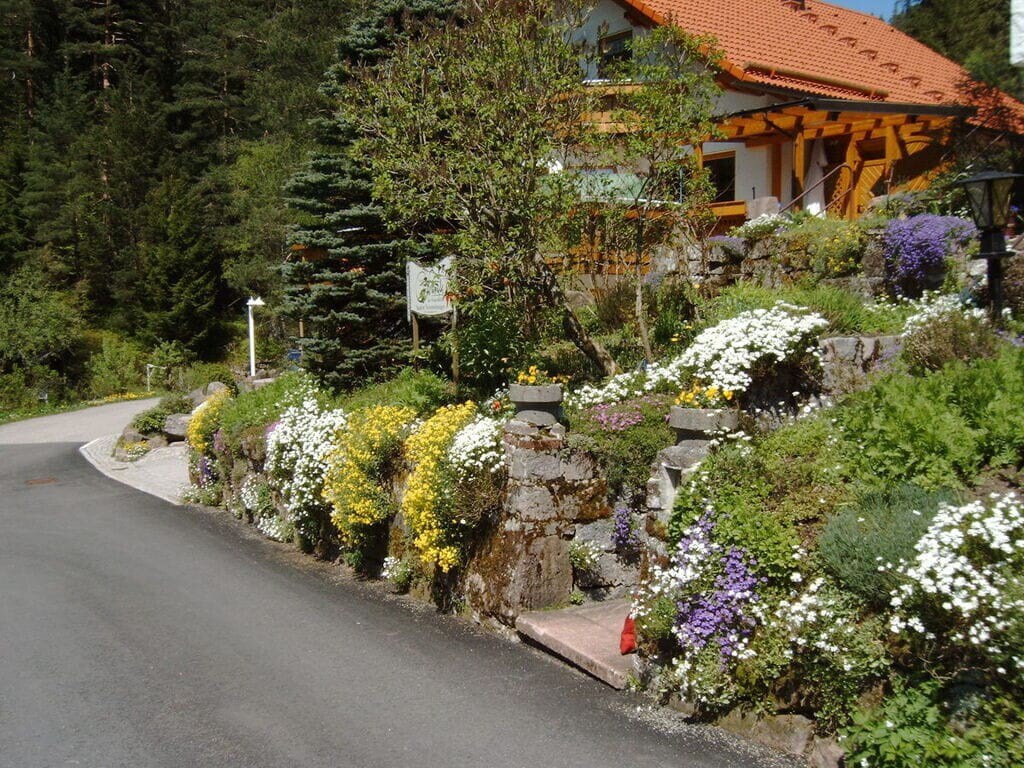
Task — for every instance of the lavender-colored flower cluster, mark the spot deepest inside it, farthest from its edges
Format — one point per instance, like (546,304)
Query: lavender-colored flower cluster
(615,418)
(917,247)
(722,613)
(624,536)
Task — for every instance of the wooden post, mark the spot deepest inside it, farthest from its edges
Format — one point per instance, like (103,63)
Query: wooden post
(776,152)
(853,160)
(415,332)
(455,347)
(799,161)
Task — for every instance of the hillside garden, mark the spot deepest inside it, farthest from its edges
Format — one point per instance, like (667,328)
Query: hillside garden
(853,556)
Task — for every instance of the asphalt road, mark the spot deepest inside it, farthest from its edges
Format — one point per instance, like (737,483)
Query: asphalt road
(135,633)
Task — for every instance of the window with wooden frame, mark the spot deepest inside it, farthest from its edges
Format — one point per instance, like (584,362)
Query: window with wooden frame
(721,168)
(612,49)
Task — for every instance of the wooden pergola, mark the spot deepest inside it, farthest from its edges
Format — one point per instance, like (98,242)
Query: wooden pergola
(877,141)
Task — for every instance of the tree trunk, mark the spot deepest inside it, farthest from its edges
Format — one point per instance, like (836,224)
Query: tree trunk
(641,315)
(641,320)
(574,329)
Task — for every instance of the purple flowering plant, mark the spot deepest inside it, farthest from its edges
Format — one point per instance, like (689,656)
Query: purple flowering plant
(717,592)
(917,248)
(624,535)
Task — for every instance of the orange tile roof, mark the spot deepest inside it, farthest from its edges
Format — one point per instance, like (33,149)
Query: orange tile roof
(818,48)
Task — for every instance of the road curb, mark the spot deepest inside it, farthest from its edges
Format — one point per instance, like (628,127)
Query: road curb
(152,474)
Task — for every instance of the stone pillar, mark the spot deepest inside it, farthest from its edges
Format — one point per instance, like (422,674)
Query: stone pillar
(694,429)
(523,561)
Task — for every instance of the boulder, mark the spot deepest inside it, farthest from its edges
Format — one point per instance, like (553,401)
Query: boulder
(197,396)
(176,427)
(215,386)
(131,435)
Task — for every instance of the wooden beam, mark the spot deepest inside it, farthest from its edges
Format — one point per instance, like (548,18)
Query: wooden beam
(853,159)
(776,155)
(800,160)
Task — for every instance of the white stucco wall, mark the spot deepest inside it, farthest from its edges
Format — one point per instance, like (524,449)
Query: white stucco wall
(753,164)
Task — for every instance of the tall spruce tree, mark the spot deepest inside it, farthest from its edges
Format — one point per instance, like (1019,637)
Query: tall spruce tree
(347,282)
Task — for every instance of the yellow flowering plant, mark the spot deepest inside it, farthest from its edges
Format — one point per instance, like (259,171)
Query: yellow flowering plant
(428,505)
(536,376)
(206,421)
(699,396)
(354,480)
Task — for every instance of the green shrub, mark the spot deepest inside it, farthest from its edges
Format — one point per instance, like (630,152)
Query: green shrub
(116,368)
(624,438)
(830,247)
(913,727)
(491,342)
(941,429)
(950,337)
(151,421)
(423,391)
(738,489)
(764,495)
(847,313)
(880,529)
(198,375)
(261,407)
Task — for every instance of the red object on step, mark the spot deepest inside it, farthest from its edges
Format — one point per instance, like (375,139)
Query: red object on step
(627,642)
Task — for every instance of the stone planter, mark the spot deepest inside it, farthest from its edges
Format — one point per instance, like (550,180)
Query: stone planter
(701,423)
(540,405)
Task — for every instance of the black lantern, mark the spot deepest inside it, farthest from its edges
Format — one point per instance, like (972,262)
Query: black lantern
(989,194)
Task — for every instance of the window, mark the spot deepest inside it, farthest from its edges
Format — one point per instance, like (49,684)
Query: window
(721,169)
(612,49)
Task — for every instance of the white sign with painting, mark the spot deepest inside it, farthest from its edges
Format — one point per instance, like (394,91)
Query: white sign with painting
(427,288)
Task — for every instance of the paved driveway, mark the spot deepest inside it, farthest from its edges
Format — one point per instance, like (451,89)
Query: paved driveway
(136,633)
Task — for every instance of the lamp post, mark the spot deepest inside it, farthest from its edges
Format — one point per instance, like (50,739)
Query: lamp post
(989,195)
(252,302)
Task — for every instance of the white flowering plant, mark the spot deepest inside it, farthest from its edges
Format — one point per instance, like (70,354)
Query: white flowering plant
(727,356)
(962,590)
(298,446)
(477,448)
(763,226)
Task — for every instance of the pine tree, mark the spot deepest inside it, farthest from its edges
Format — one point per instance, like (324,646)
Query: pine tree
(348,286)
(975,33)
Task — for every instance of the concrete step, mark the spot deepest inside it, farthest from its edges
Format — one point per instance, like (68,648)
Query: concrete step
(586,636)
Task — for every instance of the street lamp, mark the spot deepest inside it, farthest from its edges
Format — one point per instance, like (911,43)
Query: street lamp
(252,302)
(989,195)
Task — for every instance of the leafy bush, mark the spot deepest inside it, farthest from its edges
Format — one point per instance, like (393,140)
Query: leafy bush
(881,528)
(847,313)
(945,329)
(491,341)
(261,407)
(941,429)
(624,438)
(151,421)
(913,727)
(763,494)
(422,391)
(832,247)
(198,375)
(116,368)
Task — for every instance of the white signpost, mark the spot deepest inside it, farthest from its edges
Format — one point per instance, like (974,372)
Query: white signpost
(426,290)
(1017,33)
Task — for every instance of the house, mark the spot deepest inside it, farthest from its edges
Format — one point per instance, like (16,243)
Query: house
(823,108)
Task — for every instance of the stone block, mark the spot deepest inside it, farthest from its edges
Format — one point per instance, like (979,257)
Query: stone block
(176,427)
(792,734)
(531,503)
(131,435)
(825,753)
(700,421)
(534,466)
(215,386)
